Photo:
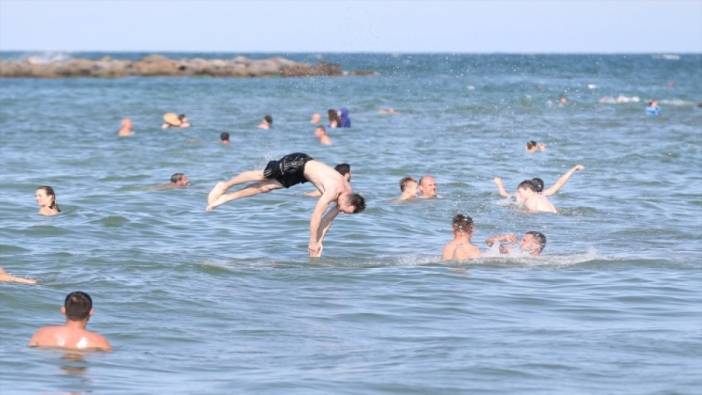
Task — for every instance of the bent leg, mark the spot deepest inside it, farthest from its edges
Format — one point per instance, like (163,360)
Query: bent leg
(250,190)
(222,186)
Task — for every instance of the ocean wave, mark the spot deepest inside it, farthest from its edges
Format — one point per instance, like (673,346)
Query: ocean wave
(621,99)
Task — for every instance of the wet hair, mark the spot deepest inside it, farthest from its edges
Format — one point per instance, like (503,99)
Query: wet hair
(528,184)
(538,184)
(343,168)
(224,136)
(268,119)
(78,305)
(50,192)
(358,203)
(540,238)
(181,117)
(463,223)
(422,178)
(404,181)
(333,115)
(176,177)
(531,144)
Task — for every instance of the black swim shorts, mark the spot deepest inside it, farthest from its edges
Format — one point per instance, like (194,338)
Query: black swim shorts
(289,170)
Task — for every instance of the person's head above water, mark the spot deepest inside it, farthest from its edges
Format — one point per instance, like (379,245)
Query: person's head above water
(533,242)
(46,199)
(333,117)
(180,179)
(316,118)
(351,203)
(344,120)
(427,187)
(224,138)
(127,124)
(463,224)
(344,169)
(78,306)
(538,184)
(268,119)
(319,131)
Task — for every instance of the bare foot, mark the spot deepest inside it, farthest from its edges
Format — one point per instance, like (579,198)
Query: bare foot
(215,193)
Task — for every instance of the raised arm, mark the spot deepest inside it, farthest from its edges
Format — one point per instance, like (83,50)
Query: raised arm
(562,181)
(500,187)
(506,238)
(316,231)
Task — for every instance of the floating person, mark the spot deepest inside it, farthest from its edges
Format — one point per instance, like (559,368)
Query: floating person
(72,335)
(321,133)
(6,277)
(562,101)
(46,199)
(333,118)
(532,243)
(388,111)
(178,180)
(408,189)
(290,170)
(460,248)
(533,147)
(344,120)
(343,168)
(316,118)
(126,128)
(537,185)
(652,108)
(224,138)
(427,187)
(171,120)
(266,123)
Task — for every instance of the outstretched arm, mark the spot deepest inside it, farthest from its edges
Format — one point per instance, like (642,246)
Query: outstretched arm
(500,187)
(506,238)
(316,229)
(326,223)
(6,277)
(562,181)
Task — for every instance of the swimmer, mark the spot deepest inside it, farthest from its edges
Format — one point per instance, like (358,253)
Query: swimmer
(266,123)
(533,147)
(316,119)
(652,108)
(78,307)
(46,199)
(333,118)
(224,138)
(343,168)
(126,129)
(532,242)
(460,247)
(408,189)
(344,120)
(562,101)
(322,135)
(178,180)
(290,170)
(172,120)
(538,187)
(388,111)
(6,277)
(427,187)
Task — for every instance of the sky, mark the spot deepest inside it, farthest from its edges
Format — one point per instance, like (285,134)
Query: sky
(602,26)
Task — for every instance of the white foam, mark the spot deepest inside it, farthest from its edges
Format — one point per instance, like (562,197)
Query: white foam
(621,99)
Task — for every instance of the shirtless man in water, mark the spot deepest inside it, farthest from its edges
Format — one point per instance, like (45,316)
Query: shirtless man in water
(460,247)
(531,194)
(290,170)
(532,243)
(78,307)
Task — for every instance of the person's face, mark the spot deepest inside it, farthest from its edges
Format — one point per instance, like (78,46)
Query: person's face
(523,194)
(316,118)
(43,199)
(529,244)
(127,123)
(428,187)
(343,204)
(411,188)
(184,181)
(318,132)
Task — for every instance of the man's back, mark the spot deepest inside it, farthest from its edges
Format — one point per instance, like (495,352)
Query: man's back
(70,338)
(539,203)
(458,250)
(326,178)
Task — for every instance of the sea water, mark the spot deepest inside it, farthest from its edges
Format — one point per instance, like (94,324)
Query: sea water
(229,302)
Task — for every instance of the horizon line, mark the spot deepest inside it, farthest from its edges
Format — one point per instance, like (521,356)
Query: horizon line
(364,52)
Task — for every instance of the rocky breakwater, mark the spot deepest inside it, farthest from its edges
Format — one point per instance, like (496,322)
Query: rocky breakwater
(157,65)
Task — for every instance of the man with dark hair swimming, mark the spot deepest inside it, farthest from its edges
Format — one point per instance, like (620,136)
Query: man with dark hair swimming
(290,170)
(531,194)
(460,248)
(77,307)
(532,242)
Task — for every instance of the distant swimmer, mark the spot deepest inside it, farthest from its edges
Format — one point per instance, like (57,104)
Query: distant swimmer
(460,248)
(6,277)
(224,138)
(333,118)
(126,129)
(652,108)
(290,170)
(178,180)
(343,168)
(562,101)
(266,123)
(316,118)
(531,194)
(408,189)
(388,111)
(72,335)
(321,134)
(427,187)
(344,119)
(46,199)
(171,120)
(533,147)
(532,243)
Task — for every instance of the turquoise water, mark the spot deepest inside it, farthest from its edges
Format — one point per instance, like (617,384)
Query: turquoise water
(228,301)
